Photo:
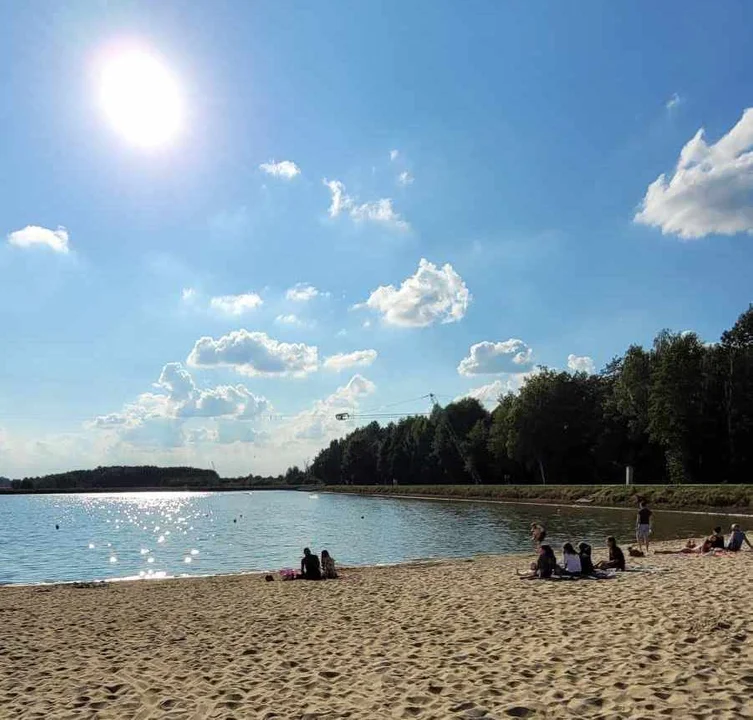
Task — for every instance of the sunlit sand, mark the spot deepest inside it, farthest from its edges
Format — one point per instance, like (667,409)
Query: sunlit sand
(455,639)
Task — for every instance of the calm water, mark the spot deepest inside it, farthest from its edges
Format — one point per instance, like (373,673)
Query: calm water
(126,535)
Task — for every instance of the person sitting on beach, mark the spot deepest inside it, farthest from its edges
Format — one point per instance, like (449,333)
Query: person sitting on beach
(616,557)
(690,548)
(571,564)
(328,566)
(310,568)
(717,539)
(736,539)
(538,533)
(544,567)
(586,563)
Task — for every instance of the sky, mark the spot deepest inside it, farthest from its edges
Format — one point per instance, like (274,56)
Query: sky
(222,223)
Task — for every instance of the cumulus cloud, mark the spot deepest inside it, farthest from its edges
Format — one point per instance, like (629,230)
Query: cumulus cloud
(236,304)
(581,363)
(342,361)
(319,423)
(158,419)
(405,178)
(254,353)
(493,358)
(302,292)
(394,155)
(711,190)
(288,320)
(489,394)
(377,211)
(31,235)
(285,169)
(188,295)
(429,296)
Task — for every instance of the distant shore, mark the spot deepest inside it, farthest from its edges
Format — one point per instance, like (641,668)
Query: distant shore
(186,488)
(726,499)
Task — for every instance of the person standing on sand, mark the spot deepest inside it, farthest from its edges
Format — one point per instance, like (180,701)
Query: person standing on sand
(643,525)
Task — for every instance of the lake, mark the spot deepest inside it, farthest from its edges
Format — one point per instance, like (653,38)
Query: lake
(160,534)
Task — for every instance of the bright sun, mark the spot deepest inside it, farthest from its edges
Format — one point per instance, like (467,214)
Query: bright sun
(141,98)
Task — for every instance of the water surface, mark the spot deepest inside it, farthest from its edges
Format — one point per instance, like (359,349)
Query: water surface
(127,535)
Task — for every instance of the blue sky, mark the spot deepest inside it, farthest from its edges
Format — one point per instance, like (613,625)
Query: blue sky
(516,147)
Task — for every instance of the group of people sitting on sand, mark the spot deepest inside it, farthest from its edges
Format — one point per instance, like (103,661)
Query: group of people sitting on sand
(313,569)
(714,543)
(575,563)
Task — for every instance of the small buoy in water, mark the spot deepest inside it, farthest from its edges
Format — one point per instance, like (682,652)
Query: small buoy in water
(57,527)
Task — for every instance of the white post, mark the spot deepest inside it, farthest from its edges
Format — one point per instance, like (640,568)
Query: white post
(628,475)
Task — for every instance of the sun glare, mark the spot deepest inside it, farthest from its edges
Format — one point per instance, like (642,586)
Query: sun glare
(140,98)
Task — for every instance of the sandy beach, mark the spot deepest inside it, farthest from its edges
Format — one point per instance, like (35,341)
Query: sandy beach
(451,639)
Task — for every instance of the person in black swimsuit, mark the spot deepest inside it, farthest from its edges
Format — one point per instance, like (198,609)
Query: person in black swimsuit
(310,567)
(717,539)
(616,557)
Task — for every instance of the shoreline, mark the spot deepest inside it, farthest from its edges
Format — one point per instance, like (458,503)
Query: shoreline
(522,556)
(538,503)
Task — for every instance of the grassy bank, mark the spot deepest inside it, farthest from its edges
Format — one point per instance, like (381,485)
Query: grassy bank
(679,497)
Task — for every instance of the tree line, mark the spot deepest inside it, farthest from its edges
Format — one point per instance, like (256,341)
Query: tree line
(680,411)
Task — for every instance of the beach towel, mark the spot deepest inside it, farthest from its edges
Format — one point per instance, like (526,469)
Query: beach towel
(287,574)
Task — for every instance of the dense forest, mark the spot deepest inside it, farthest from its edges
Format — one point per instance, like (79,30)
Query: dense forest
(681,411)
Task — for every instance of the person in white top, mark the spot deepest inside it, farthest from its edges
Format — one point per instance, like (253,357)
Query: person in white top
(570,560)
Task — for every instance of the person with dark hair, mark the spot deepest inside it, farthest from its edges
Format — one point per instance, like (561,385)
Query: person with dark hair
(616,559)
(736,539)
(310,568)
(586,563)
(717,539)
(571,564)
(544,567)
(328,566)
(643,525)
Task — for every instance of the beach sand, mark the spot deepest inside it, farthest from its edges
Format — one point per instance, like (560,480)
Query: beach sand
(454,639)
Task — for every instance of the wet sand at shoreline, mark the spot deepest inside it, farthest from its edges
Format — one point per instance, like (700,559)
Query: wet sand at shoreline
(446,639)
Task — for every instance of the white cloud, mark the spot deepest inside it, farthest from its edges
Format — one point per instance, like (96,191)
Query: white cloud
(581,363)
(393,155)
(254,353)
(188,295)
(377,211)
(56,240)
(358,358)
(405,178)
(285,169)
(429,296)
(289,320)
(302,292)
(711,190)
(236,304)
(673,102)
(489,394)
(493,358)
(159,419)
(320,422)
